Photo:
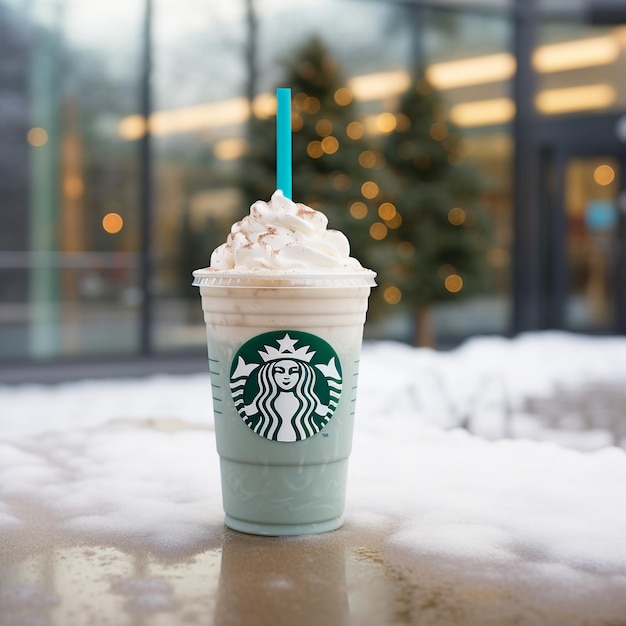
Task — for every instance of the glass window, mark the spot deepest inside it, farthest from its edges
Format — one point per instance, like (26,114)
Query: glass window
(474,76)
(69,244)
(580,68)
(70,83)
(70,155)
(202,129)
(215,57)
(591,206)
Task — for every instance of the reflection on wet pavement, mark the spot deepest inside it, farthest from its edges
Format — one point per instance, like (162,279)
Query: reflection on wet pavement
(249,580)
(307,581)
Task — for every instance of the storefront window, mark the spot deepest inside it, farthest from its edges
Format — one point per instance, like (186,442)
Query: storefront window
(71,247)
(70,243)
(579,69)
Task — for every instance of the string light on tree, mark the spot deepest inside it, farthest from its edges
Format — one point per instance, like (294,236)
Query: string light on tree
(604,175)
(395,222)
(330,150)
(438,131)
(324,128)
(296,122)
(424,154)
(392,295)
(355,130)
(453,283)
(367,159)
(330,145)
(387,211)
(343,96)
(358,210)
(37,137)
(378,231)
(314,149)
(456,216)
(311,105)
(386,122)
(370,190)
(112,223)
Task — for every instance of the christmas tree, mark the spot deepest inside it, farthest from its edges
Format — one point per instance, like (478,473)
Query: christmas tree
(334,169)
(436,248)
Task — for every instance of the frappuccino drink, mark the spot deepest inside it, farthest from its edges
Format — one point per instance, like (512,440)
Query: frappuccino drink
(284,306)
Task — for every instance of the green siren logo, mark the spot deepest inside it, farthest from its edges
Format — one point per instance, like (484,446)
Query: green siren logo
(286,384)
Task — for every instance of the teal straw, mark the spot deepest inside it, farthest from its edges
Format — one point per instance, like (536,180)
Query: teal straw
(283,141)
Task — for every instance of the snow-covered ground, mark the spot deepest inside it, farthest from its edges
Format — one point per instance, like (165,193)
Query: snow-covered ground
(133,462)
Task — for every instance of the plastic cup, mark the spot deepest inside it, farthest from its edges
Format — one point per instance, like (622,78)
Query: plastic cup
(284,353)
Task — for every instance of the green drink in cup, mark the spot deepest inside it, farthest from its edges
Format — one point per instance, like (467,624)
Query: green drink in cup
(284,306)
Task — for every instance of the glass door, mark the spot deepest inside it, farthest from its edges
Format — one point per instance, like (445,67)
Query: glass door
(592,244)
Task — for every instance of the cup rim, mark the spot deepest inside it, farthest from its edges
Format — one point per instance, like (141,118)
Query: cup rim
(208,277)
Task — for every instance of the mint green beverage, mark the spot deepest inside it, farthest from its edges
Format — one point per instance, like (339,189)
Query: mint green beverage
(284,351)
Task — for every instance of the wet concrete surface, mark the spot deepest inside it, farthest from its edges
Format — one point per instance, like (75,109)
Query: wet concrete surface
(341,578)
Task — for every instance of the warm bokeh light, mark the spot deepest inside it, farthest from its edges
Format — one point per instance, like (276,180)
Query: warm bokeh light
(37,137)
(585,98)
(186,119)
(314,149)
(132,127)
(324,128)
(386,122)
(392,295)
(330,145)
(387,211)
(550,58)
(297,102)
(296,122)
(311,105)
(379,86)
(456,216)
(112,223)
(358,210)
(223,113)
(369,190)
(604,175)
(367,159)
(264,106)
(438,131)
(343,96)
(229,149)
(483,112)
(395,221)
(73,186)
(355,130)
(378,231)
(453,283)
(569,55)
(474,71)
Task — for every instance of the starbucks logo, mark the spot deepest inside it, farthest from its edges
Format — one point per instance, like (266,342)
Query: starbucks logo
(286,384)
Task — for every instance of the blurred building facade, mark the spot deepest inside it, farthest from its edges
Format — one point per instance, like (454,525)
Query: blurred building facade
(102,222)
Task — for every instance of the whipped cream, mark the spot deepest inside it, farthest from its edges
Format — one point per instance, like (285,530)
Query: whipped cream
(284,235)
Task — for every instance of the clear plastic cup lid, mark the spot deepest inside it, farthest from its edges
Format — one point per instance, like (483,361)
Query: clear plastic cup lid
(274,279)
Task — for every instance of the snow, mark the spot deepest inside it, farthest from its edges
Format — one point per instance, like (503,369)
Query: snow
(132,463)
